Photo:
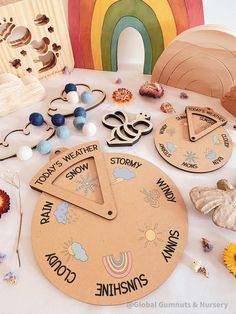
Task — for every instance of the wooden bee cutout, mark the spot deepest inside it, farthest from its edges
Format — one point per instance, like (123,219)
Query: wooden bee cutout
(220,200)
(125,133)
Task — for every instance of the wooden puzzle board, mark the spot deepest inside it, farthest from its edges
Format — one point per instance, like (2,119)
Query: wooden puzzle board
(209,153)
(102,261)
(34,38)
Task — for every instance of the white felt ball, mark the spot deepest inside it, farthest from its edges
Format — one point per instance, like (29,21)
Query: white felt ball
(24,153)
(89,129)
(72,98)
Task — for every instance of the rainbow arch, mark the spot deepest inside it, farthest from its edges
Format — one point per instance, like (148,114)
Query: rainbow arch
(118,268)
(95,27)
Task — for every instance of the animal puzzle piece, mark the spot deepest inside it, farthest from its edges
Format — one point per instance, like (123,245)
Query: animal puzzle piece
(125,133)
(220,200)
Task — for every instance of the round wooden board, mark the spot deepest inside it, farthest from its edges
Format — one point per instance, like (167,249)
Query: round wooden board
(207,154)
(107,262)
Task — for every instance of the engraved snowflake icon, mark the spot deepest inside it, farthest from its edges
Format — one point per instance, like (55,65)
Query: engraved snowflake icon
(87,184)
(190,157)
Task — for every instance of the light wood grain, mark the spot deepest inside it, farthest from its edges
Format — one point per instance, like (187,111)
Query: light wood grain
(19,30)
(202,59)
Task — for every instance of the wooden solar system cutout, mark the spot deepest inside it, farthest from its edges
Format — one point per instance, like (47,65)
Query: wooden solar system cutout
(34,38)
(194,141)
(202,59)
(93,242)
(96,25)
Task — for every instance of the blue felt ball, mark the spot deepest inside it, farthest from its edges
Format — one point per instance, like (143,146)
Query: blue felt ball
(36,119)
(80,112)
(70,88)
(44,147)
(58,119)
(63,132)
(87,97)
(79,122)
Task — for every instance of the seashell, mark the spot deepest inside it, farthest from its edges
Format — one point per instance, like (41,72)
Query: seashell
(198,268)
(220,200)
(151,89)
(166,107)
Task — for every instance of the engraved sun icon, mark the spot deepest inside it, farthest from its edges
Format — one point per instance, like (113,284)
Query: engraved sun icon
(74,250)
(150,235)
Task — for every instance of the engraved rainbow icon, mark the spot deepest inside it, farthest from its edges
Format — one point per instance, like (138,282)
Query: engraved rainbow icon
(118,268)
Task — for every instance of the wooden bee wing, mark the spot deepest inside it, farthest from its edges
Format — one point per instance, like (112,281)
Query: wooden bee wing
(206,199)
(114,119)
(225,215)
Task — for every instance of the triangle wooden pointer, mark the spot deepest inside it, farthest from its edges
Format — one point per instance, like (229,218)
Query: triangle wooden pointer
(209,113)
(45,180)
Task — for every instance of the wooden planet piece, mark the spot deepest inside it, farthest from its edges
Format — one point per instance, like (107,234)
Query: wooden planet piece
(194,141)
(99,260)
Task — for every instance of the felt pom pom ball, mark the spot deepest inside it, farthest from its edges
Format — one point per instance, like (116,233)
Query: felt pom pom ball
(44,147)
(58,119)
(79,122)
(80,112)
(73,98)
(24,153)
(36,119)
(87,97)
(70,88)
(89,129)
(63,132)
(71,93)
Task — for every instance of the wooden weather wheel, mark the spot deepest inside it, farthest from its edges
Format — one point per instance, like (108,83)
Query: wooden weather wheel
(194,141)
(104,232)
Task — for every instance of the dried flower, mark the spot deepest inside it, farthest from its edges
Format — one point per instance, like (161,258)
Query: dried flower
(207,246)
(10,278)
(183,95)
(2,257)
(230,258)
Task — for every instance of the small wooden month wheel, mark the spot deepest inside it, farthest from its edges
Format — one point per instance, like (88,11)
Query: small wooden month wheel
(194,141)
(104,232)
